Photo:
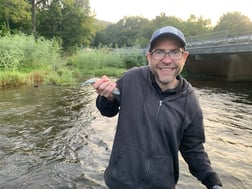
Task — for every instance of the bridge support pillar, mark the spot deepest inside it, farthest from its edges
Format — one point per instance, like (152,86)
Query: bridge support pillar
(240,67)
(231,67)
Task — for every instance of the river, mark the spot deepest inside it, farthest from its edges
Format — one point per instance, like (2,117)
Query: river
(54,137)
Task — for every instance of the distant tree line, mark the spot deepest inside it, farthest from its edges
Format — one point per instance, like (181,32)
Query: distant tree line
(73,23)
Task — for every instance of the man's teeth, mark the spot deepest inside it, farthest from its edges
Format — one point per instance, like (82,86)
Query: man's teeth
(166,68)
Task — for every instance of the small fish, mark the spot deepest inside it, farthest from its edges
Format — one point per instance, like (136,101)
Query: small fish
(88,82)
(93,80)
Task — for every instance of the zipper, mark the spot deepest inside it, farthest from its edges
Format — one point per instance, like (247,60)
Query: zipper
(156,118)
(148,162)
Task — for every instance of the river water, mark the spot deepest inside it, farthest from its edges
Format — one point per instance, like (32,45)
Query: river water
(54,137)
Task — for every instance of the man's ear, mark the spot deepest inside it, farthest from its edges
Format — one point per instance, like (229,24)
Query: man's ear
(185,55)
(148,57)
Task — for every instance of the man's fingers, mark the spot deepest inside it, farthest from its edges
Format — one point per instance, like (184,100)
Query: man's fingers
(104,86)
(99,82)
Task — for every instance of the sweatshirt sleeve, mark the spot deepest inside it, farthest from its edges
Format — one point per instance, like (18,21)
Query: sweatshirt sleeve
(192,148)
(106,107)
(193,152)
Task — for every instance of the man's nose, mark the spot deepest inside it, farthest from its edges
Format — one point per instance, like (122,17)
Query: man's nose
(167,58)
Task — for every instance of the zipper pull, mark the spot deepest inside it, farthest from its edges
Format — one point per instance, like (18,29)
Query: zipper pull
(160,103)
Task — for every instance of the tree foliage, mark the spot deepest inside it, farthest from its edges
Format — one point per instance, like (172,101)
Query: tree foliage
(127,31)
(69,20)
(136,31)
(163,20)
(73,23)
(34,5)
(132,31)
(15,14)
(234,22)
(196,26)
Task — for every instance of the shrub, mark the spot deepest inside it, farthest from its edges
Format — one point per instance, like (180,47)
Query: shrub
(134,58)
(107,61)
(61,76)
(22,52)
(26,59)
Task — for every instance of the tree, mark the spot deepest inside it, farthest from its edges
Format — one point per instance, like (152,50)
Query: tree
(78,23)
(196,26)
(49,23)
(128,31)
(234,22)
(34,5)
(163,20)
(15,14)
(69,20)
(134,30)
(100,35)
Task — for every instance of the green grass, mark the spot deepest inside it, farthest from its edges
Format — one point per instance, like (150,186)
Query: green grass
(26,60)
(105,61)
(10,79)
(22,52)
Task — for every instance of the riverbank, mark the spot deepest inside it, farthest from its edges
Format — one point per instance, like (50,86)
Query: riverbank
(29,61)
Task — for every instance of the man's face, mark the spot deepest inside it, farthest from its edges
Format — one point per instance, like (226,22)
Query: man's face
(166,67)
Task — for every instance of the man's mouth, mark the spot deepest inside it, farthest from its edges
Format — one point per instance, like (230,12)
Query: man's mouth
(164,68)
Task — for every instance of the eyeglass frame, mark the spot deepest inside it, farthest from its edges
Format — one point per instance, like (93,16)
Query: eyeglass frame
(181,50)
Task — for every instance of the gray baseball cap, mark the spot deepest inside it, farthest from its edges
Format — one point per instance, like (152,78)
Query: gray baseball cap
(167,31)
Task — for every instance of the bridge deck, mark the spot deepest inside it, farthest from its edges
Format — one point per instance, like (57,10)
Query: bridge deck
(220,42)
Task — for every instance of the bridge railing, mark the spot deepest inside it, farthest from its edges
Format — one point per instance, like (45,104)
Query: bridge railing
(222,38)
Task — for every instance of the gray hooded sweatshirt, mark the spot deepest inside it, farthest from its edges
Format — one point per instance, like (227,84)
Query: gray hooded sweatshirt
(150,132)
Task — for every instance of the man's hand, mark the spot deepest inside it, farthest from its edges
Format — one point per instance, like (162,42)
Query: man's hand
(105,87)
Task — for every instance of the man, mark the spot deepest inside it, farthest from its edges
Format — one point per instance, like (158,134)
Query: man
(159,115)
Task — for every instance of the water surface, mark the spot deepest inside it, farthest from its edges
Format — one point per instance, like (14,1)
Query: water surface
(54,137)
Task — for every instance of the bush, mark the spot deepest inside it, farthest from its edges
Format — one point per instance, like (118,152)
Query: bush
(22,52)
(114,62)
(131,57)
(93,61)
(134,58)
(61,77)
(26,59)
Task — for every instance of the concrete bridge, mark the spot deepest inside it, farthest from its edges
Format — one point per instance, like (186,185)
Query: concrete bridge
(220,55)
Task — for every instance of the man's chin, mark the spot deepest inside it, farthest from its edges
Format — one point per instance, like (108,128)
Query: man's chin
(166,80)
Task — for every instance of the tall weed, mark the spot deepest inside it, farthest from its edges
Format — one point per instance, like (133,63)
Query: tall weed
(12,79)
(105,61)
(23,52)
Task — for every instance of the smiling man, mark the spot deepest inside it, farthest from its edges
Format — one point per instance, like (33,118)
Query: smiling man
(167,56)
(159,115)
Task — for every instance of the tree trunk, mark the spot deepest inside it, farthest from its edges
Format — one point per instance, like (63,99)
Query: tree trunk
(33,17)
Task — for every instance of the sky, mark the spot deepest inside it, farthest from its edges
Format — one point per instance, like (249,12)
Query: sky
(115,10)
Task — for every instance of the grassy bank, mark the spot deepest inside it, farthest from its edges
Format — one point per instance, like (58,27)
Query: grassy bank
(28,60)
(105,61)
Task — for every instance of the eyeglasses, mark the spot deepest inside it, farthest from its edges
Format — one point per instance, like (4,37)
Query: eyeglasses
(173,54)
